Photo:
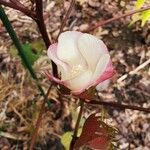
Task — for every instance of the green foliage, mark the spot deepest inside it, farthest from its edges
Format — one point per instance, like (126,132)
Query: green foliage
(39,45)
(143,16)
(139,3)
(32,51)
(67,137)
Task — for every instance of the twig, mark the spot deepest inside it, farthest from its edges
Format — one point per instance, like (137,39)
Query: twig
(134,71)
(79,118)
(77,125)
(66,16)
(21,8)
(13,136)
(102,23)
(115,104)
(35,133)
(41,25)
(16,2)
(19,115)
(40,22)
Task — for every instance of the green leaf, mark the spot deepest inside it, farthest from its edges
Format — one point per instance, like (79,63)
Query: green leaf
(30,50)
(66,139)
(139,3)
(38,45)
(135,18)
(145,16)
(31,53)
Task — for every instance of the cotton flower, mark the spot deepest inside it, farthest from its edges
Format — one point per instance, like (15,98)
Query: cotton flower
(82,59)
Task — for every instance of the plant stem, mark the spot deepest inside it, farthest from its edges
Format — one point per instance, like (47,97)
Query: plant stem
(21,8)
(102,23)
(77,125)
(40,22)
(118,105)
(38,123)
(41,25)
(66,16)
(18,45)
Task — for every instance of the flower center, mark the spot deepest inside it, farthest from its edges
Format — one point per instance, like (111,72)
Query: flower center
(75,71)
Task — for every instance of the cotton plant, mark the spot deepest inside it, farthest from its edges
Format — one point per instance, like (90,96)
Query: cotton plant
(83,63)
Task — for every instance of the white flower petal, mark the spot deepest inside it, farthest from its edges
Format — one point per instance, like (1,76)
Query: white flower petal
(82,60)
(52,54)
(68,52)
(92,49)
(101,66)
(81,82)
(67,47)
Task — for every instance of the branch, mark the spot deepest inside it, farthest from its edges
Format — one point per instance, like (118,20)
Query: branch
(35,133)
(134,71)
(115,104)
(102,23)
(77,125)
(41,25)
(66,16)
(19,7)
(16,2)
(40,22)
(87,98)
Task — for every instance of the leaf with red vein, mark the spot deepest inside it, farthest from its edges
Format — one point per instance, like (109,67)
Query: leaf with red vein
(95,134)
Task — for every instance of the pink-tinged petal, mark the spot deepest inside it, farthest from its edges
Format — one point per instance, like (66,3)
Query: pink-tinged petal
(91,49)
(52,54)
(101,67)
(108,73)
(53,79)
(77,85)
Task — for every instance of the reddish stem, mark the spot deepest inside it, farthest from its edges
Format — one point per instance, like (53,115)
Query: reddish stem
(38,123)
(19,7)
(74,138)
(40,22)
(41,25)
(115,104)
(66,16)
(102,23)
(16,2)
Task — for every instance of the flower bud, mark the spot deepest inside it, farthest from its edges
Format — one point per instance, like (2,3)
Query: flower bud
(82,59)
